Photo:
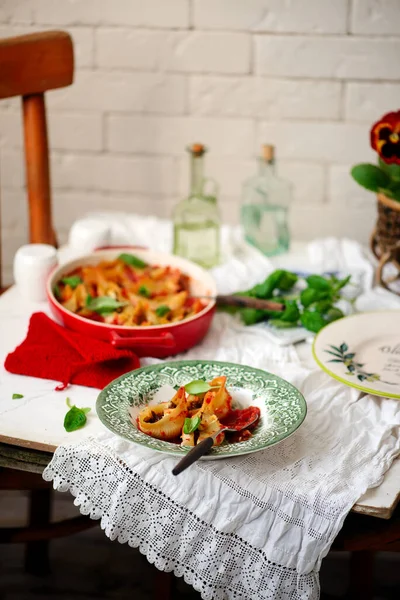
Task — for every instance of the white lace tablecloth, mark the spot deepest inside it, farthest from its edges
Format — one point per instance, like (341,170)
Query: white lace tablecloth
(252,527)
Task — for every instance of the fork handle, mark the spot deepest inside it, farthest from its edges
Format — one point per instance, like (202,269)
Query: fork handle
(194,454)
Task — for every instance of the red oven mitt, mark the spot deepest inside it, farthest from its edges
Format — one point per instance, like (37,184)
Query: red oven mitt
(50,351)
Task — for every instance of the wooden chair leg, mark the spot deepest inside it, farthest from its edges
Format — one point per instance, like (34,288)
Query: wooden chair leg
(164,583)
(361,586)
(37,553)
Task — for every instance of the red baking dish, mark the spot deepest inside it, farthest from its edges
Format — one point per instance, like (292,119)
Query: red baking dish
(158,341)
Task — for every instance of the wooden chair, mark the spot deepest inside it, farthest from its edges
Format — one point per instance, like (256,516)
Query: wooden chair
(29,66)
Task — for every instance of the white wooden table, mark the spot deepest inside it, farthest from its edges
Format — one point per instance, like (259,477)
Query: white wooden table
(36,420)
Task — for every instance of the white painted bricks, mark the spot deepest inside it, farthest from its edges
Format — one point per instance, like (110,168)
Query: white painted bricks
(153,76)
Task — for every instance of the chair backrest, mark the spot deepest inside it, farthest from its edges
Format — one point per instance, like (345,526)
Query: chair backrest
(29,66)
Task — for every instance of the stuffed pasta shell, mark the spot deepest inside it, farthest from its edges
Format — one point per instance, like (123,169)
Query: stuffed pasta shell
(218,400)
(164,421)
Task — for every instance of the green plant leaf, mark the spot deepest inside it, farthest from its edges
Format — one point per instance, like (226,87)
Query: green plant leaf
(322,306)
(72,281)
(144,291)
(197,387)
(343,347)
(281,324)
(104,304)
(75,417)
(273,282)
(287,281)
(333,314)
(17,396)
(393,170)
(192,424)
(162,310)
(291,314)
(313,321)
(370,176)
(309,296)
(132,260)
(341,283)
(251,316)
(318,282)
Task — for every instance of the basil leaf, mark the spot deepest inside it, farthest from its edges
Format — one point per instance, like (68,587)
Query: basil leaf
(75,417)
(132,261)
(312,294)
(265,290)
(287,281)
(197,387)
(251,316)
(333,314)
(318,282)
(291,314)
(308,296)
(162,310)
(281,324)
(17,396)
(88,300)
(313,321)
(322,306)
(72,281)
(191,425)
(104,304)
(144,291)
(342,283)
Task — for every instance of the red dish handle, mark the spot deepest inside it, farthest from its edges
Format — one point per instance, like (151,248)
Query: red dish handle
(163,340)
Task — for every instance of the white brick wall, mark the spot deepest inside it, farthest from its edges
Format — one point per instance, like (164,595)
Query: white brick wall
(152,76)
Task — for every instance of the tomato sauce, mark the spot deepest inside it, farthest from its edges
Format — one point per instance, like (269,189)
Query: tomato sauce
(241,418)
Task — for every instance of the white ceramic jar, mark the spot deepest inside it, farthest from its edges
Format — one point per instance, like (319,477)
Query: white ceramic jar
(33,264)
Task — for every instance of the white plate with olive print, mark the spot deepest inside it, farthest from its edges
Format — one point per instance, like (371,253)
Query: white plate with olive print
(282,406)
(363,351)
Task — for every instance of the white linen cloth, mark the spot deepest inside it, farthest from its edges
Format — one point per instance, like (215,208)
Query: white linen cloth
(252,527)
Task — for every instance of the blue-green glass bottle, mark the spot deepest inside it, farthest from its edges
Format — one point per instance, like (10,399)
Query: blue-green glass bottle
(265,204)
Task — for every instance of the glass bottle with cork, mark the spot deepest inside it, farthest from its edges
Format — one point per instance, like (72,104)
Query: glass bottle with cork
(265,204)
(196,218)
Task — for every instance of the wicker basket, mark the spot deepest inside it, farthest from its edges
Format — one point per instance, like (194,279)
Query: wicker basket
(385,239)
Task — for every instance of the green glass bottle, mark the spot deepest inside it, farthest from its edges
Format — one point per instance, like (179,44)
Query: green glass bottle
(265,204)
(196,218)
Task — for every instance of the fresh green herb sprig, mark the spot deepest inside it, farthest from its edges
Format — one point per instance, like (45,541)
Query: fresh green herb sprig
(162,310)
(313,307)
(132,260)
(73,281)
(103,304)
(75,417)
(144,291)
(190,425)
(17,396)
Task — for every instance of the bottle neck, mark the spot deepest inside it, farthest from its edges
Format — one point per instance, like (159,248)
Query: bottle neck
(266,167)
(196,175)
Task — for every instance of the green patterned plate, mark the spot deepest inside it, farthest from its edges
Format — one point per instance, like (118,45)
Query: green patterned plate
(283,408)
